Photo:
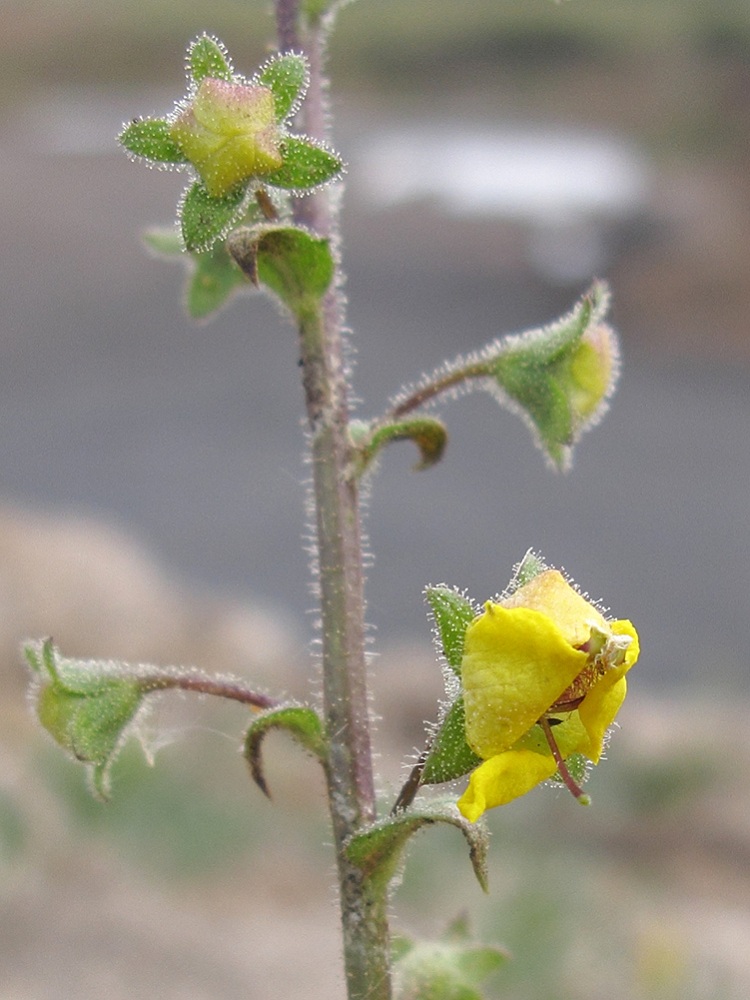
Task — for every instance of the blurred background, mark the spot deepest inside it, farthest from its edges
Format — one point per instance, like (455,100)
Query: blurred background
(500,155)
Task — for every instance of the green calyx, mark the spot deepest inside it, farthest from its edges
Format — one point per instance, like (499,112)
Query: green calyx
(560,377)
(233,134)
(85,706)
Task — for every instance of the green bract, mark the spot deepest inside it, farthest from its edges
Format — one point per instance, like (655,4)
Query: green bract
(233,134)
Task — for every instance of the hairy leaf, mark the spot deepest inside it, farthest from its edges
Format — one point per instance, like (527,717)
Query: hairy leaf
(452,613)
(208,57)
(204,219)
(306,165)
(150,138)
(450,756)
(378,851)
(287,76)
(302,723)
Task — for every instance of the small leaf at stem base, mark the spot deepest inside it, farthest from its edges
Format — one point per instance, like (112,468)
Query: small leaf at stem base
(302,723)
(378,850)
(292,263)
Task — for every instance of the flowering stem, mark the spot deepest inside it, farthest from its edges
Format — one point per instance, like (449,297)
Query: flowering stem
(567,778)
(351,792)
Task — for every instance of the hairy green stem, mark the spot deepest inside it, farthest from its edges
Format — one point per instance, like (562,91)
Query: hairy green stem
(351,792)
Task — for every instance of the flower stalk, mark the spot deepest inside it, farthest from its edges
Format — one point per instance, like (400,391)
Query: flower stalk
(562,768)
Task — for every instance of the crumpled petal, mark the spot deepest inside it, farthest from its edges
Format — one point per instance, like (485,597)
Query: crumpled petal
(503,778)
(516,664)
(550,593)
(598,709)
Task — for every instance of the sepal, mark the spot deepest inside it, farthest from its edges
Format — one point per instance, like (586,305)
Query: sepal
(205,219)
(524,572)
(449,756)
(306,165)
(287,76)
(207,56)
(378,851)
(452,612)
(301,722)
(150,139)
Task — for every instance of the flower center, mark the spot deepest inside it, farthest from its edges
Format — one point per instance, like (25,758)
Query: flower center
(605,653)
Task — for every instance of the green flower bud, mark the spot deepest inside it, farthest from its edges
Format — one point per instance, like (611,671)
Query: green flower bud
(229,133)
(591,372)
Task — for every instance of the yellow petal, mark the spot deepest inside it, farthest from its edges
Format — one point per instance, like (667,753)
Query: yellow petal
(597,712)
(516,664)
(599,708)
(551,593)
(503,778)
(624,627)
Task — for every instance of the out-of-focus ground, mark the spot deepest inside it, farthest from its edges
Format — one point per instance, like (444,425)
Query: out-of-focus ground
(151,471)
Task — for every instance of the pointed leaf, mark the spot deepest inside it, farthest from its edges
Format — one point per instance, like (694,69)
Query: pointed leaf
(204,219)
(306,165)
(302,723)
(378,850)
(207,56)
(293,264)
(450,756)
(150,138)
(427,433)
(452,612)
(287,76)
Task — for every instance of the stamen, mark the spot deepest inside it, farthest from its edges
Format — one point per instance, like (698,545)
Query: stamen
(568,780)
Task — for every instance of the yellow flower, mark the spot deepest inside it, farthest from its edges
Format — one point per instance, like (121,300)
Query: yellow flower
(229,133)
(543,676)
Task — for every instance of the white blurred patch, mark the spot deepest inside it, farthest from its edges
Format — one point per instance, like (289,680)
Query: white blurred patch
(567,186)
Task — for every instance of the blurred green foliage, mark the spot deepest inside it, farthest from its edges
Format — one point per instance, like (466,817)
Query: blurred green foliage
(183,818)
